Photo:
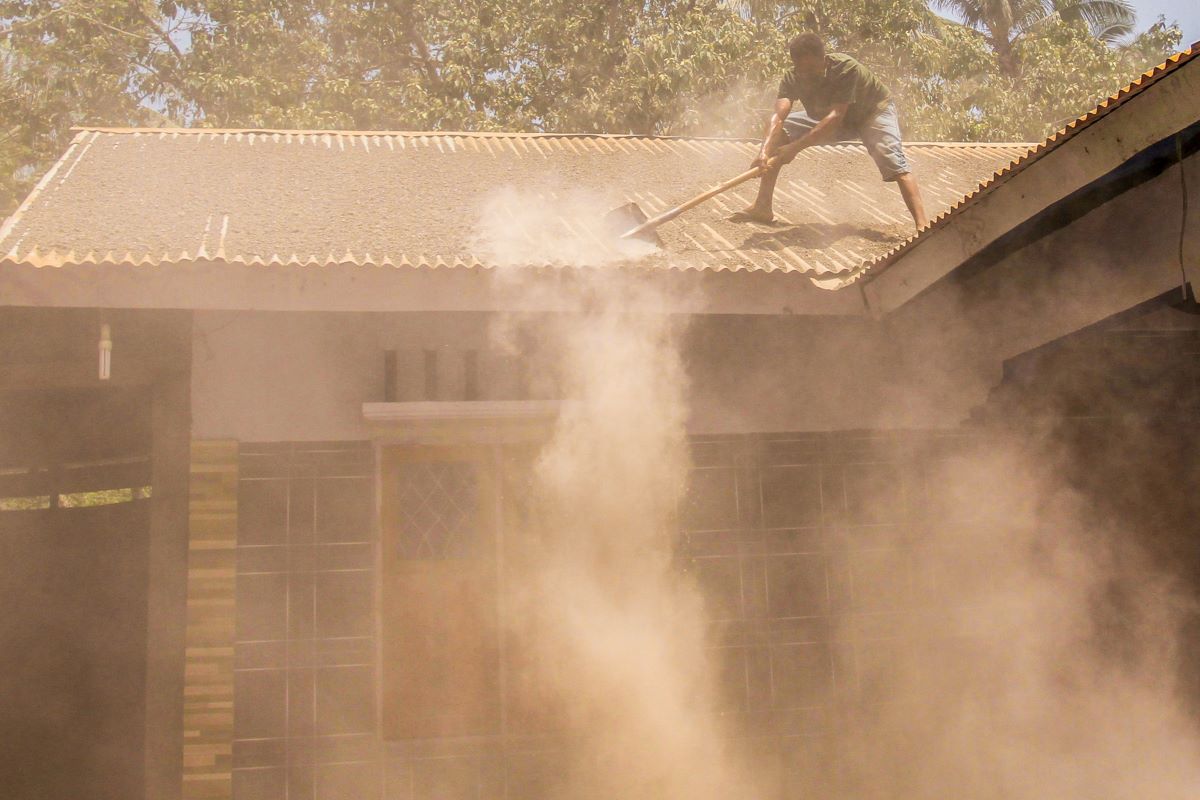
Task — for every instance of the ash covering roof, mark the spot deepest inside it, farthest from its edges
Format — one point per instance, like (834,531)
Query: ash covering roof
(152,197)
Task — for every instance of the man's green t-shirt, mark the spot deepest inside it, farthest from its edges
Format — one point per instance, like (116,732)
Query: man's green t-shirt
(845,81)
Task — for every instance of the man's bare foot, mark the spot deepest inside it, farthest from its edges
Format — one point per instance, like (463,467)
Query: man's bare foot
(752,214)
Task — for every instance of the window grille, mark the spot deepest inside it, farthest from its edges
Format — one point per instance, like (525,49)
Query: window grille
(437,504)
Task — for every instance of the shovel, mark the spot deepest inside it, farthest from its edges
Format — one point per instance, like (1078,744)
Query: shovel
(637,225)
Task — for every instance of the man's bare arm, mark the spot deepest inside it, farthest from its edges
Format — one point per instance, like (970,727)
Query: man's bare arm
(783,107)
(823,131)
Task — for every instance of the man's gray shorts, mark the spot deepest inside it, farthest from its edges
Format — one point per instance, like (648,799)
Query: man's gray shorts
(881,135)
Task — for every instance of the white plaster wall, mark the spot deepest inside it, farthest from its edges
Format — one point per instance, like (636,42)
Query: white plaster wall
(281,376)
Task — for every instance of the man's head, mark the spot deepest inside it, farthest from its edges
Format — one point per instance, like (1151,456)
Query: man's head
(808,54)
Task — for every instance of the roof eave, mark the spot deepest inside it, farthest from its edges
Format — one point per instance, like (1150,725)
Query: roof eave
(218,285)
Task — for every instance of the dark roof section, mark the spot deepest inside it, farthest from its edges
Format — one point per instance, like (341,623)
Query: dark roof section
(872,269)
(153,197)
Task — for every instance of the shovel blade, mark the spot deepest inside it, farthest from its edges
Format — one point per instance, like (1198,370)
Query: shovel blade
(626,218)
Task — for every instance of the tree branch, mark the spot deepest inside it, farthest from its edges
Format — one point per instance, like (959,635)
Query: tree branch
(112,28)
(24,23)
(154,26)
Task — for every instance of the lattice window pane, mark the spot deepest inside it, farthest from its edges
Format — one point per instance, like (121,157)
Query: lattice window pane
(437,506)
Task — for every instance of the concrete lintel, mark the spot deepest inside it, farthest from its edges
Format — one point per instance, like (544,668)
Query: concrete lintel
(474,422)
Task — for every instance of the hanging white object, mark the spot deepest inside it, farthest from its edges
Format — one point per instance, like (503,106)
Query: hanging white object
(105,352)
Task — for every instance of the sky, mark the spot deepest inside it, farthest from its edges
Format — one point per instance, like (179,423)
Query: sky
(1185,12)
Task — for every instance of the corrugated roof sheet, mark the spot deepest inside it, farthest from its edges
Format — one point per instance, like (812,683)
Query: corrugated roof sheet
(1056,139)
(154,197)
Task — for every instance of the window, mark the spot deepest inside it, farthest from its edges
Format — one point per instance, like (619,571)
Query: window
(441,654)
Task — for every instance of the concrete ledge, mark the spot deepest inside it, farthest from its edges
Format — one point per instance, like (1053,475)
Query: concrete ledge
(473,410)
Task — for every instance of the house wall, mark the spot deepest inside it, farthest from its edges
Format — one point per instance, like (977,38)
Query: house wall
(303,377)
(289,389)
(283,377)
(836,565)
(805,545)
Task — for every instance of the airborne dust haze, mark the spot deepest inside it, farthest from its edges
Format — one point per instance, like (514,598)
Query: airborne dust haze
(1020,690)
(615,632)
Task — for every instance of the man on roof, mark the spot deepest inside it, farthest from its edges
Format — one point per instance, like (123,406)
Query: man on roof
(842,101)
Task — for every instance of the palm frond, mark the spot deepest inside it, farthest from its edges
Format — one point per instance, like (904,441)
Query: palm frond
(1032,14)
(1113,33)
(1108,20)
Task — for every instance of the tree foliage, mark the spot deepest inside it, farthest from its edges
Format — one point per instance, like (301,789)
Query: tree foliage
(1004,23)
(643,66)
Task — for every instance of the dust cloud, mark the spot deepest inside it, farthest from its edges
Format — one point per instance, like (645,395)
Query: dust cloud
(1054,672)
(612,634)
(557,225)
(1051,674)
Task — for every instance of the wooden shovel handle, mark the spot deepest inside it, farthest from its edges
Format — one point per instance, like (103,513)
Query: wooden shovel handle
(667,216)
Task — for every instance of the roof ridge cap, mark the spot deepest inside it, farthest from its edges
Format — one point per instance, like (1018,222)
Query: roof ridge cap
(408,133)
(487,135)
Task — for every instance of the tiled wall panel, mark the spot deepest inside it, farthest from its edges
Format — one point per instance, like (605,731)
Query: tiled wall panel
(208,672)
